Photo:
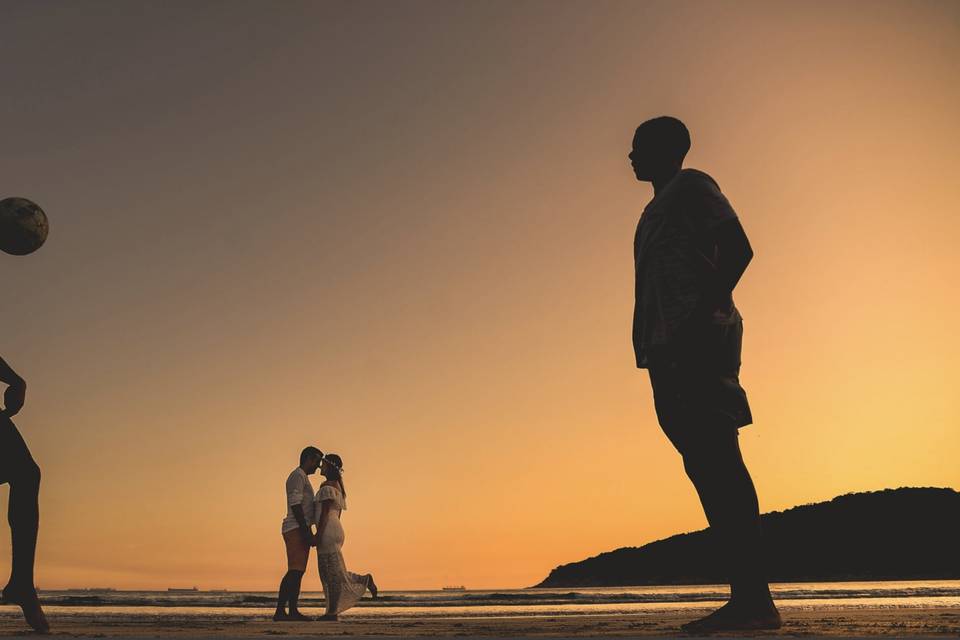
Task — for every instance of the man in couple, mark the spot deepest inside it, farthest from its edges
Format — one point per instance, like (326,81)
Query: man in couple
(342,589)
(689,253)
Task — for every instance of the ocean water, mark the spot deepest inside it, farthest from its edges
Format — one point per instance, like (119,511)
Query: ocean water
(506,602)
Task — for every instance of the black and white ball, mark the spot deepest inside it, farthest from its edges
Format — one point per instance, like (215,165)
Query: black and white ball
(23,226)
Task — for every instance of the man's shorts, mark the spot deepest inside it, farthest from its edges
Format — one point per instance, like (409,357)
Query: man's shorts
(297,550)
(696,386)
(15,458)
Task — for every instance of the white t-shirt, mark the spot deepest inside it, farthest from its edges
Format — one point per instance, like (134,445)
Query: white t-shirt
(299,491)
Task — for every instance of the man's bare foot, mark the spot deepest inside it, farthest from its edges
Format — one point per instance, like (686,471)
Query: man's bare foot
(296,616)
(29,603)
(737,617)
(280,616)
(372,586)
(329,617)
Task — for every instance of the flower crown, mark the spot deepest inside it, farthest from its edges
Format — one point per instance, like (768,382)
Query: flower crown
(334,465)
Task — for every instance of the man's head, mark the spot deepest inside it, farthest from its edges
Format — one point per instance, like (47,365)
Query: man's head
(310,459)
(659,147)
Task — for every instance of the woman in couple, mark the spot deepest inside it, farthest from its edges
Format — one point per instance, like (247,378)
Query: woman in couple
(341,588)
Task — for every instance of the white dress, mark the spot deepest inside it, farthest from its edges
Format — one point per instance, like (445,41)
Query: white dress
(341,588)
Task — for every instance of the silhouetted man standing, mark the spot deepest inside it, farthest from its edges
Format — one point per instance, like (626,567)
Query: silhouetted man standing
(689,254)
(18,468)
(297,534)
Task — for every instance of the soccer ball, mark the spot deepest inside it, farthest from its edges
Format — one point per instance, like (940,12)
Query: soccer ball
(23,226)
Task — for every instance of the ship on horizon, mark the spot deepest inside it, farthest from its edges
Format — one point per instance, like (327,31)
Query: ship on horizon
(190,590)
(458,587)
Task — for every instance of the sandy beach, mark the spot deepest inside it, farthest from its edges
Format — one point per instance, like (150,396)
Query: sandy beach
(860,622)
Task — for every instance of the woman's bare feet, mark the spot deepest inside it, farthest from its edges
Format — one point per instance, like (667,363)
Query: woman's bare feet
(29,603)
(735,616)
(329,617)
(372,586)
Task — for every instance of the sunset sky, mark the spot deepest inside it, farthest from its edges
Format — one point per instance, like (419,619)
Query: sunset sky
(402,232)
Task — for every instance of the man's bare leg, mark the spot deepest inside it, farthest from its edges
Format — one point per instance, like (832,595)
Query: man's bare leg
(730,503)
(289,593)
(23,514)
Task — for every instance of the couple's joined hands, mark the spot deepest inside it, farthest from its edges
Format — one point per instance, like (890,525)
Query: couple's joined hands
(309,538)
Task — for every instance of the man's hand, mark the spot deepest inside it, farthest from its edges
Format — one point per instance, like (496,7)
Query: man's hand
(14,397)
(307,536)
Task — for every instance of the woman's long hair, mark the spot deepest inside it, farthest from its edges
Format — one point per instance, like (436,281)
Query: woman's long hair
(335,474)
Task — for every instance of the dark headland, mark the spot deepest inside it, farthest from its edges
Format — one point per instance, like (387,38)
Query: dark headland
(895,534)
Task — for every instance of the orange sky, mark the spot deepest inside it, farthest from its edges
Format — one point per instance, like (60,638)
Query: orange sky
(403,232)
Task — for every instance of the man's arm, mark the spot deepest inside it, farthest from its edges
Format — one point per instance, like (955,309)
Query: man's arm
(295,491)
(302,521)
(733,255)
(16,392)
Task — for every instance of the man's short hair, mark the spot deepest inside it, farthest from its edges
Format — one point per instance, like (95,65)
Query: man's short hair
(310,452)
(667,135)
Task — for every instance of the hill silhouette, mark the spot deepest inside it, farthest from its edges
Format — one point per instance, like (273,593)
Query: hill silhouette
(894,534)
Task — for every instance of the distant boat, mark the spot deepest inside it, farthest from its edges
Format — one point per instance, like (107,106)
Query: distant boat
(190,590)
(455,588)
(97,590)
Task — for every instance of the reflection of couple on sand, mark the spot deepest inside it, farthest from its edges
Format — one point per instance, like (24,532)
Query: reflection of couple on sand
(341,588)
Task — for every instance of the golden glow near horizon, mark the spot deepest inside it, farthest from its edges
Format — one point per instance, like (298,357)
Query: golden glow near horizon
(403,233)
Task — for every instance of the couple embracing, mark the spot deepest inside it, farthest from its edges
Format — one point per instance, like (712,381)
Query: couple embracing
(341,588)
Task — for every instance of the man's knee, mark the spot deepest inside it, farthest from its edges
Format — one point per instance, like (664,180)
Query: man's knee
(710,452)
(694,466)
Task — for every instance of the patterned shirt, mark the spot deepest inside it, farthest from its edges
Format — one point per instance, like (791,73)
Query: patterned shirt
(671,259)
(299,491)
